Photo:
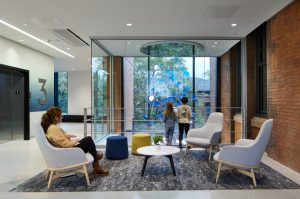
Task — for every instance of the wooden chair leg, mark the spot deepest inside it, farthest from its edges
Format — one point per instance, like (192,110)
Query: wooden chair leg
(218,173)
(50,179)
(209,156)
(86,175)
(186,148)
(48,174)
(253,177)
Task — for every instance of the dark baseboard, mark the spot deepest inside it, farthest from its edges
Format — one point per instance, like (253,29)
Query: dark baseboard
(74,118)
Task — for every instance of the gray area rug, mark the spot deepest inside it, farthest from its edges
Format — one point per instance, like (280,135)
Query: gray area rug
(193,171)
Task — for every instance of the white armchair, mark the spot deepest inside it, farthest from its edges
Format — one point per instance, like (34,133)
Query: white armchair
(60,161)
(245,154)
(207,136)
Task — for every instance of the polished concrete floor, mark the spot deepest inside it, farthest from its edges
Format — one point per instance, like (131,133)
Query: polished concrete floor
(20,160)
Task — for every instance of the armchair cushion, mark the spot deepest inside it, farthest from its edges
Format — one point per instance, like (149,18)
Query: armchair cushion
(244,142)
(199,141)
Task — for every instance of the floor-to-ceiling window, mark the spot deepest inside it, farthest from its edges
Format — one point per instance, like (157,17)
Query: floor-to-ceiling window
(154,73)
(158,80)
(100,109)
(62,91)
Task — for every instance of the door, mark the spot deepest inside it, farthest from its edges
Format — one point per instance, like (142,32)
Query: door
(5,106)
(13,120)
(17,106)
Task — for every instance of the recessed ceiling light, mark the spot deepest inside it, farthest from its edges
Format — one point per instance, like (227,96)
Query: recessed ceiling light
(68,48)
(25,24)
(35,38)
(88,59)
(128,42)
(212,46)
(233,24)
(138,46)
(129,24)
(216,42)
(21,40)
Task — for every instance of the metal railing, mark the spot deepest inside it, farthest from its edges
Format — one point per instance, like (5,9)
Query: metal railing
(105,121)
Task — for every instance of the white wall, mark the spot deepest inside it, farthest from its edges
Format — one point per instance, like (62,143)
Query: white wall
(79,91)
(38,64)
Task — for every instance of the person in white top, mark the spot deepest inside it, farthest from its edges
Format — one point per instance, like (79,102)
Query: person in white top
(184,117)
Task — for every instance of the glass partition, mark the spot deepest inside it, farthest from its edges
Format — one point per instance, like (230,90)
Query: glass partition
(100,93)
(149,79)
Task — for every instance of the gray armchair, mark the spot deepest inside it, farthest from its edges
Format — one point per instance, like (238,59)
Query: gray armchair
(207,136)
(61,161)
(245,155)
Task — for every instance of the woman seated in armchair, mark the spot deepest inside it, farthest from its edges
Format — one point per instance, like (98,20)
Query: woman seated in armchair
(59,138)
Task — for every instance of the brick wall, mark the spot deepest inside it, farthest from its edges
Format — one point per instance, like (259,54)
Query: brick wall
(283,85)
(213,82)
(251,46)
(117,93)
(228,92)
(225,95)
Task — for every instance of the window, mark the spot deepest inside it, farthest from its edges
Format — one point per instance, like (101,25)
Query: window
(158,80)
(62,91)
(261,71)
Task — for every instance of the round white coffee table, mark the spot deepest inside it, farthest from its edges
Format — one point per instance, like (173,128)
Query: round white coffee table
(157,150)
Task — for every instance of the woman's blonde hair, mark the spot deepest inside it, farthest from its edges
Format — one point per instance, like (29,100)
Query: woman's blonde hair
(48,118)
(169,109)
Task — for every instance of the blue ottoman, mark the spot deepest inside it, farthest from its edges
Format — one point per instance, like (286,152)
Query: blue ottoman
(116,148)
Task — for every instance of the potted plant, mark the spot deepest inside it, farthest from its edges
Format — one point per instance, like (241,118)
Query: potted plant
(157,139)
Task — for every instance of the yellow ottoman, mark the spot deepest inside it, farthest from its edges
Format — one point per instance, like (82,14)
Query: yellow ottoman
(139,140)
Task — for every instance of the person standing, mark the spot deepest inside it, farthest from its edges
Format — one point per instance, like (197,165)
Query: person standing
(184,117)
(59,138)
(169,120)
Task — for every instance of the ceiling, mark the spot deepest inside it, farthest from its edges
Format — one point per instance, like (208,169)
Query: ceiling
(197,20)
(129,47)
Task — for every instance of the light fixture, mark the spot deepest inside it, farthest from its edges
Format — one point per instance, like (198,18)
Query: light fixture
(129,24)
(233,24)
(25,24)
(21,40)
(175,48)
(68,48)
(213,46)
(216,42)
(35,38)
